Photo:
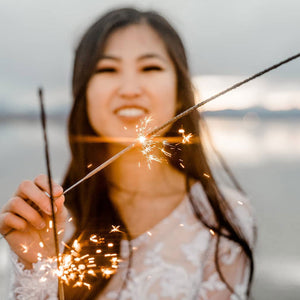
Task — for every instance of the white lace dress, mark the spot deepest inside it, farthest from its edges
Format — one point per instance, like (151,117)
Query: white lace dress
(173,260)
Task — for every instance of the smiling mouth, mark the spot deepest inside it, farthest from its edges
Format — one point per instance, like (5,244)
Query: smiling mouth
(131,112)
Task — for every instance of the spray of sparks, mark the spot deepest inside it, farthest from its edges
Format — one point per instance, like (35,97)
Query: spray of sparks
(150,143)
(75,269)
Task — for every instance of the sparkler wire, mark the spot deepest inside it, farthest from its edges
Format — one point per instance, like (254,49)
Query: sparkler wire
(43,121)
(181,115)
(99,168)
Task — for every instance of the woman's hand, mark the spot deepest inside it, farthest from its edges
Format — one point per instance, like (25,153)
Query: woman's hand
(28,216)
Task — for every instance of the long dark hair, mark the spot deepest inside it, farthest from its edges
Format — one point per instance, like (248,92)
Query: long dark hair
(89,203)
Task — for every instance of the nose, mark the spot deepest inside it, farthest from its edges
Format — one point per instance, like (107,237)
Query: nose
(130,86)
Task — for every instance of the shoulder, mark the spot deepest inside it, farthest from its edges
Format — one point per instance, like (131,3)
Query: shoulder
(238,203)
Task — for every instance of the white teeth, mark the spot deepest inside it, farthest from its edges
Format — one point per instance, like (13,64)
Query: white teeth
(131,112)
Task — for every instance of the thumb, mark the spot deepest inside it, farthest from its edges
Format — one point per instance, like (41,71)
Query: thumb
(61,211)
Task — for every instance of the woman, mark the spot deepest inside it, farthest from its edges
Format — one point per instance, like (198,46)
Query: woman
(178,235)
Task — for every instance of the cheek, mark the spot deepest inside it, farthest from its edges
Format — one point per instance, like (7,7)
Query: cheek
(99,92)
(93,94)
(168,97)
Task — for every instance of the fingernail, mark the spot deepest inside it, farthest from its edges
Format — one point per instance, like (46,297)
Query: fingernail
(57,190)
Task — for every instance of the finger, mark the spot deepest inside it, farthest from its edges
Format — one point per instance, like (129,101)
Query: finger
(59,203)
(21,208)
(62,212)
(43,183)
(9,221)
(28,190)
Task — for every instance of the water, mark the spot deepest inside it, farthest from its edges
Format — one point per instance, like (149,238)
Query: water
(264,156)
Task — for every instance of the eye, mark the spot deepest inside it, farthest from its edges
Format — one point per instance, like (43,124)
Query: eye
(152,68)
(106,70)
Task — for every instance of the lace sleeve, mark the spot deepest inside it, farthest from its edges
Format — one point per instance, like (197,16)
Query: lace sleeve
(39,283)
(233,262)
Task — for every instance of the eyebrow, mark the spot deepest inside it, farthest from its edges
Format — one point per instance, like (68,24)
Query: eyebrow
(144,56)
(109,57)
(151,55)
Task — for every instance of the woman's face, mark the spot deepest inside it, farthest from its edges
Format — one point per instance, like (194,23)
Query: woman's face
(134,79)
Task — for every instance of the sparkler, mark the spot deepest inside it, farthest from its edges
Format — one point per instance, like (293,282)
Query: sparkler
(179,116)
(55,235)
(144,139)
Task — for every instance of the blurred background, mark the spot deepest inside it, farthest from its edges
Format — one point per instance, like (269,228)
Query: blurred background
(256,127)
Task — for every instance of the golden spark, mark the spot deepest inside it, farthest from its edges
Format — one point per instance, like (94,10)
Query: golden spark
(95,239)
(211,232)
(115,229)
(25,248)
(186,139)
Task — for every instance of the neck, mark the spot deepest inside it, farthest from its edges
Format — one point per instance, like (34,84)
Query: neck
(143,195)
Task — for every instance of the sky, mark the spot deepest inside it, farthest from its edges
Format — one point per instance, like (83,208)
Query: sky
(226,41)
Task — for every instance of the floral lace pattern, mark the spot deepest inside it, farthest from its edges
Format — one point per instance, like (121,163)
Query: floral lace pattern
(174,260)
(39,283)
